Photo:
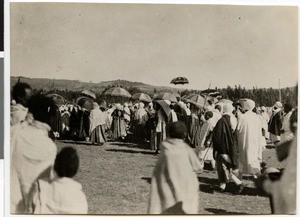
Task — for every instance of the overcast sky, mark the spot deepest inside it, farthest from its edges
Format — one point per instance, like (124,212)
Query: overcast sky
(224,45)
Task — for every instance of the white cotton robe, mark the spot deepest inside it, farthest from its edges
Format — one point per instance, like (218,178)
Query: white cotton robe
(17,114)
(60,196)
(32,157)
(97,118)
(249,135)
(174,179)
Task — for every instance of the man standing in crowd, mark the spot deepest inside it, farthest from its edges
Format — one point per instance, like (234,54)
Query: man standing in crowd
(249,133)
(286,134)
(275,123)
(20,94)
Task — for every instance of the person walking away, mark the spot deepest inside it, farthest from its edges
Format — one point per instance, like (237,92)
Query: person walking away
(32,153)
(204,151)
(21,93)
(275,123)
(225,150)
(97,125)
(62,194)
(249,136)
(194,133)
(174,183)
(142,118)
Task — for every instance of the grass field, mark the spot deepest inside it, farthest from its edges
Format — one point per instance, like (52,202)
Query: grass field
(116,180)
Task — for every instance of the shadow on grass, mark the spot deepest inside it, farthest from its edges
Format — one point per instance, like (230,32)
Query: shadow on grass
(224,212)
(210,189)
(132,151)
(79,142)
(147,179)
(210,181)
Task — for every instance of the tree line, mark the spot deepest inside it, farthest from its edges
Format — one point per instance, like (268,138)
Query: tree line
(262,96)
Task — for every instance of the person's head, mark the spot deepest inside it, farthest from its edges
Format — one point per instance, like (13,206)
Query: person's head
(42,108)
(277,105)
(95,105)
(208,115)
(263,109)
(218,107)
(287,107)
(125,105)
(21,93)
(177,130)
(247,105)
(141,105)
(228,108)
(66,162)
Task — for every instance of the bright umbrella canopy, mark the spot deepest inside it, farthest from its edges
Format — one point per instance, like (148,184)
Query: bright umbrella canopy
(167,96)
(118,92)
(197,100)
(142,97)
(89,94)
(58,99)
(180,80)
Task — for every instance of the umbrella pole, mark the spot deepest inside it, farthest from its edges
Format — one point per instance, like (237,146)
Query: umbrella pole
(206,96)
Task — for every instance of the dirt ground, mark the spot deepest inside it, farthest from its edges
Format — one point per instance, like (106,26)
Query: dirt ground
(116,179)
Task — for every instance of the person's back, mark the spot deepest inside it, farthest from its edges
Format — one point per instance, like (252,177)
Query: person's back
(32,154)
(62,195)
(174,178)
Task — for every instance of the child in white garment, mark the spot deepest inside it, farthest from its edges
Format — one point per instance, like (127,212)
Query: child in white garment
(62,195)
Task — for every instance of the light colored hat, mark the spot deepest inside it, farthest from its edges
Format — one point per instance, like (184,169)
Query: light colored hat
(247,104)
(141,105)
(278,104)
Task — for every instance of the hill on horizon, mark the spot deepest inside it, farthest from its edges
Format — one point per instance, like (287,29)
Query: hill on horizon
(76,85)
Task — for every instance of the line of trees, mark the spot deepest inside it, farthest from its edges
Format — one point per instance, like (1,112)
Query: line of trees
(262,96)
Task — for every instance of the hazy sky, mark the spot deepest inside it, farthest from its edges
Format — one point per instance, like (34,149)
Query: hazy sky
(227,45)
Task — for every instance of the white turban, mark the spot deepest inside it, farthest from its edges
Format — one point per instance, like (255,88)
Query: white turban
(141,105)
(263,108)
(227,108)
(247,104)
(278,104)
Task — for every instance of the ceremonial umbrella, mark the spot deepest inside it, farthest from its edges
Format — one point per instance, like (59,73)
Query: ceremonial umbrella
(58,99)
(167,96)
(89,94)
(142,97)
(180,80)
(166,108)
(118,92)
(197,100)
(85,102)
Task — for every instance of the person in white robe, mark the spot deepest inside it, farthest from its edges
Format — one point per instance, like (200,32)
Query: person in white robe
(97,125)
(249,136)
(32,153)
(286,133)
(62,194)
(204,150)
(174,182)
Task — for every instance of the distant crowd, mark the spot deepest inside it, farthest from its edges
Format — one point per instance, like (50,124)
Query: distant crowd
(231,137)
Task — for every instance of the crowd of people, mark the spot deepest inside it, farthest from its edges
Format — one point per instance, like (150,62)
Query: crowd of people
(229,136)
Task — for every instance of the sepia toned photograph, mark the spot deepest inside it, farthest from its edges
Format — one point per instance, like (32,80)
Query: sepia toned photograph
(153,109)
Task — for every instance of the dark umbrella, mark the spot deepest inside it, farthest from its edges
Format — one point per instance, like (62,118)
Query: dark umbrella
(58,99)
(180,80)
(85,102)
